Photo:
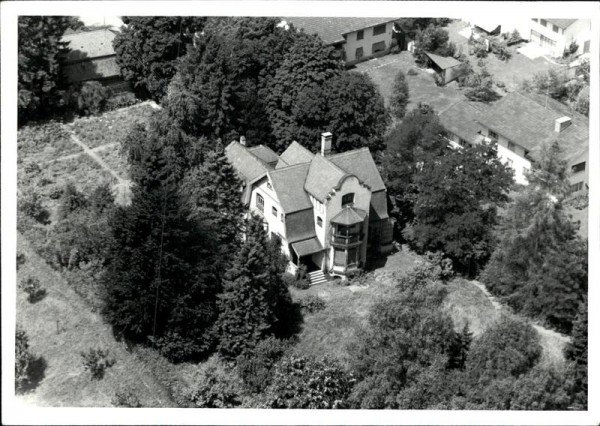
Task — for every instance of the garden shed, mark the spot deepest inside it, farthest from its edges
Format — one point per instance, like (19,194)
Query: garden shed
(446,67)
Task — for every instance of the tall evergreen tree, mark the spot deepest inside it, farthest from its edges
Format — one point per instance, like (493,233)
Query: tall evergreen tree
(39,63)
(540,265)
(147,49)
(250,298)
(400,95)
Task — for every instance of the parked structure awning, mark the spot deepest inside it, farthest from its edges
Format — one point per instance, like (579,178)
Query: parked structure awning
(310,246)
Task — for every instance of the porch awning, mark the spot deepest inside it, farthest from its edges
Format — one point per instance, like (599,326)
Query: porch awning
(310,246)
(349,216)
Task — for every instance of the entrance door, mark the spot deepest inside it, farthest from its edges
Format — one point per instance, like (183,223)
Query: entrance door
(310,265)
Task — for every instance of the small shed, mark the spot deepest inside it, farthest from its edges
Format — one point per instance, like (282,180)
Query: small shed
(445,66)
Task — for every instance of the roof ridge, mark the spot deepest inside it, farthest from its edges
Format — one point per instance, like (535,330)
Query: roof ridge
(344,172)
(262,164)
(289,166)
(354,151)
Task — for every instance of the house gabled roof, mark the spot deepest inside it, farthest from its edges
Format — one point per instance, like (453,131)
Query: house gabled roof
(561,23)
(360,163)
(288,185)
(523,119)
(265,154)
(89,44)
(247,165)
(322,177)
(332,30)
(444,62)
(296,154)
(462,120)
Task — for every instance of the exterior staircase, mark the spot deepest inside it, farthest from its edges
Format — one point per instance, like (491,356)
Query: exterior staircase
(316,277)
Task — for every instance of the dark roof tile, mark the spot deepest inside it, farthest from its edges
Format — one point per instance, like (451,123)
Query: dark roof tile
(288,185)
(296,154)
(322,177)
(361,164)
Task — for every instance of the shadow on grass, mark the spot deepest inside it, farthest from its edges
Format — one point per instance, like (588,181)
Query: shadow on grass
(290,321)
(37,372)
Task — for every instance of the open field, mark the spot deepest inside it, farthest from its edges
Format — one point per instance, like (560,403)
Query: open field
(44,142)
(112,126)
(59,327)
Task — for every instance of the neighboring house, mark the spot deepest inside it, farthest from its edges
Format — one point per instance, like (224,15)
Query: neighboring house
(521,124)
(357,39)
(446,67)
(557,34)
(93,58)
(328,210)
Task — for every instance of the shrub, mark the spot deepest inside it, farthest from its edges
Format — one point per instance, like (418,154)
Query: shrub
(312,303)
(97,361)
(91,98)
(30,204)
(217,389)
(23,360)
(400,95)
(121,100)
(126,398)
(480,49)
(303,382)
(515,37)
(412,71)
(255,366)
(438,80)
(500,49)
(583,101)
(291,280)
(33,288)
(571,49)
(20,259)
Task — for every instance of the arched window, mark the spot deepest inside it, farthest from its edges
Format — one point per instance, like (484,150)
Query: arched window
(348,199)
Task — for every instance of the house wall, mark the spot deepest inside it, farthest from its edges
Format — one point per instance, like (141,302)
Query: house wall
(92,69)
(320,210)
(352,43)
(579,31)
(275,224)
(362,200)
(581,176)
(514,158)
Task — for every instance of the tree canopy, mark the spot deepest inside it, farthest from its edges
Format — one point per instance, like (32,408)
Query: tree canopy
(40,53)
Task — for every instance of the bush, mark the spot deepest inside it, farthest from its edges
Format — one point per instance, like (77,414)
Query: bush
(515,37)
(438,80)
(97,361)
(312,303)
(30,204)
(23,360)
(255,366)
(91,98)
(400,96)
(33,288)
(571,50)
(126,398)
(582,105)
(303,382)
(500,49)
(412,71)
(291,280)
(121,100)
(20,259)
(217,389)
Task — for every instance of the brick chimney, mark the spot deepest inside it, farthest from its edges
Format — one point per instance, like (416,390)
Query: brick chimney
(243,140)
(561,124)
(326,143)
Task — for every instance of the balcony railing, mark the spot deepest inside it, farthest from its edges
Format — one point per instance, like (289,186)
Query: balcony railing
(346,240)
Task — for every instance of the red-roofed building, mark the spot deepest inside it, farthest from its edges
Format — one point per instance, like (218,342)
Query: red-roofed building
(328,210)
(357,39)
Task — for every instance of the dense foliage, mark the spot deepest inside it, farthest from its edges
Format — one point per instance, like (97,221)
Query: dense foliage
(400,95)
(540,265)
(432,39)
(455,207)
(577,352)
(39,65)
(147,49)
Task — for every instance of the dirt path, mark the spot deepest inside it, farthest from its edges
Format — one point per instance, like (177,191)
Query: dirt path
(71,156)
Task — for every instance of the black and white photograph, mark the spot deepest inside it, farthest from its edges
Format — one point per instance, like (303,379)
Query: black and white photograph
(350,208)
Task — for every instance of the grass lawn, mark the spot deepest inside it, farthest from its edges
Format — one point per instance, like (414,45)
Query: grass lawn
(422,88)
(64,382)
(44,142)
(82,171)
(113,158)
(111,126)
(467,303)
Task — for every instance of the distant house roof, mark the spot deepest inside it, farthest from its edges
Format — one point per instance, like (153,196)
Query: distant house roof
(332,30)
(288,185)
(561,23)
(349,216)
(89,44)
(488,25)
(529,120)
(462,120)
(322,176)
(444,62)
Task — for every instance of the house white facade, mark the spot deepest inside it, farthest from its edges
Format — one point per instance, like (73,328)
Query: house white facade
(328,210)
(557,34)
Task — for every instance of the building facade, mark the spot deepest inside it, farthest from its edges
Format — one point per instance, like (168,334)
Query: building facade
(328,210)
(557,34)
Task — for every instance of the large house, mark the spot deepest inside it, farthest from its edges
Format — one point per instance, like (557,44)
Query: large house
(357,39)
(328,210)
(93,58)
(557,34)
(520,124)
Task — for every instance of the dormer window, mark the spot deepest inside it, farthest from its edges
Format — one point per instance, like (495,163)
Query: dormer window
(260,202)
(348,199)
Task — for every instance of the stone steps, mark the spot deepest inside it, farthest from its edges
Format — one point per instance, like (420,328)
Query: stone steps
(316,277)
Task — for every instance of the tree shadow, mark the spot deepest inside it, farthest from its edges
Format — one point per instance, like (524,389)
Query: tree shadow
(36,373)
(290,321)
